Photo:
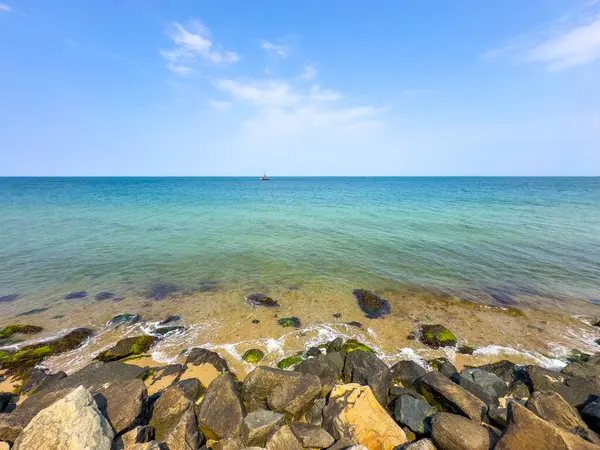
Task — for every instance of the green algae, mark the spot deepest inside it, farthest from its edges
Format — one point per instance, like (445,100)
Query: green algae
(127,347)
(290,361)
(437,336)
(22,329)
(253,356)
(288,322)
(352,344)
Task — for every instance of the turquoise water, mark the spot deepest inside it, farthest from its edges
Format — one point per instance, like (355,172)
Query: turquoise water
(503,236)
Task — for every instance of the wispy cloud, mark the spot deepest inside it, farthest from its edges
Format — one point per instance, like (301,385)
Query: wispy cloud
(193,43)
(309,72)
(572,41)
(281,51)
(5,8)
(219,105)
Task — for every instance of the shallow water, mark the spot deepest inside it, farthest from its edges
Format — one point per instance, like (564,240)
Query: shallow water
(195,246)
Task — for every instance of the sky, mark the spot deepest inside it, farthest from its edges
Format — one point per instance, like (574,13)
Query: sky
(311,87)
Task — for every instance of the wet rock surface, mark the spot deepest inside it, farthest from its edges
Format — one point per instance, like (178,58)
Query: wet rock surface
(260,300)
(371,304)
(436,336)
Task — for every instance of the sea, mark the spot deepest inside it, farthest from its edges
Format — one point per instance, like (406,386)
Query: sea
(149,239)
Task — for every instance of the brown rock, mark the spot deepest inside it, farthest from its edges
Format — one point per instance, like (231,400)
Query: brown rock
(423,444)
(258,425)
(183,435)
(123,404)
(221,412)
(283,439)
(138,435)
(354,414)
(527,431)
(167,410)
(445,395)
(453,432)
(311,436)
(552,407)
(235,443)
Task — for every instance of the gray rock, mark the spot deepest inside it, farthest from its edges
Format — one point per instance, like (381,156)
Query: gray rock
(335,345)
(498,416)
(504,369)
(37,378)
(221,412)
(414,413)
(283,439)
(518,390)
(198,356)
(452,432)
(570,384)
(192,387)
(183,435)
(442,393)
(484,385)
(591,414)
(445,367)
(323,366)
(235,443)
(367,369)
(5,399)
(258,425)
(168,409)
(72,422)
(124,318)
(311,436)
(552,407)
(290,393)
(315,415)
(138,435)
(423,444)
(406,373)
(123,404)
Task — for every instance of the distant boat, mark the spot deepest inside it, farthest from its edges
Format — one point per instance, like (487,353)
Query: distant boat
(264,177)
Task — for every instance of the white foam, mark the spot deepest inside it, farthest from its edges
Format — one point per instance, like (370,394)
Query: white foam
(541,360)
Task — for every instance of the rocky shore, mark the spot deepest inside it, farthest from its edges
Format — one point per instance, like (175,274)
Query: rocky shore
(336,395)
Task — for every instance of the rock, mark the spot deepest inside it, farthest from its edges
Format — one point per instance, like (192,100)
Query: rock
(9,298)
(323,366)
(445,395)
(354,324)
(552,407)
(290,393)
(10,330)
(352,344)
(527,431)
(283,439)
(183,435)
(124,318)
(436,336)
(354,414)
(37,378)
(313,352)
(169,319)
(518,390)
(335,345)
(235,443)
(198,356)
(104,295)
(311,436)
(423,444)
(445,367)
(5,399)
(146,446)
(253,356)
(123,404)
(367,369)
(167,410)
(591,414)
(255,321)
(315,415)
(288,322)
(406,373)
(260,300)
(465,350)
(192,388)
(138,435)
(258,425)
(4,446)
(452,432)
(24,359)
(164,331)
(397,391)
(72,422)
(11,425)
(498,416)
(574,389)
(127,347)
(76,295)
(484,385)
(161,291)
(289,362)
(371,304)
(221,412)
(414,413)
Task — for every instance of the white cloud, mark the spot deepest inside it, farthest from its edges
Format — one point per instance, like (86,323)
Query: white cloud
(5,8)
(281,51)
(281,108)
(572,41)
(192,43)
(219,105)
(309,72)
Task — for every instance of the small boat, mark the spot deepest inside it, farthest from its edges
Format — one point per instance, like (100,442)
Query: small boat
(264,177)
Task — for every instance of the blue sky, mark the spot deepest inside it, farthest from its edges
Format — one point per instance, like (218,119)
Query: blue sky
(328,87)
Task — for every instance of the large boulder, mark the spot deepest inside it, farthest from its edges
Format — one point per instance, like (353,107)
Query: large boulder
(311,436)
(406,373)
(484,385)
(527,431)
(138,435)
(326,367)
(371,304)
(37,378)
(168,409)
(290,393)
(452,432)
(130,346)
(353,414)
(123,404)
(445,367)
(436,336)
(447,396)
(552,407)
(504,369)
(72,422)
(367,369)
(258,425)
(221,412)
(198,356)
(183,434)
(591,414)
(571,384)
(413,412)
